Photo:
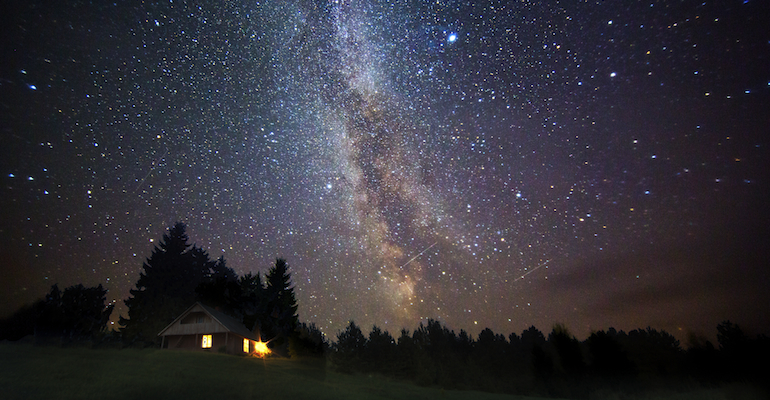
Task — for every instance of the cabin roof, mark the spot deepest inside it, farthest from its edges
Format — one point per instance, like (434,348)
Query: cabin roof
(225,322)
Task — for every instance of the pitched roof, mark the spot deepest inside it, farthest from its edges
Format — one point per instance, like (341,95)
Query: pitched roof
(228,322)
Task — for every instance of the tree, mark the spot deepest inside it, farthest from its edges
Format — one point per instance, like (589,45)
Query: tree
(78,313)
(654,352)
(21,323)
(490,352)
(568,350)
(166,287)
(380,350)
(308,342)
(736,350)
(220,289)
(608,358)
(349,348)
(85,314)
(281,319)
(731,338)
(252,305)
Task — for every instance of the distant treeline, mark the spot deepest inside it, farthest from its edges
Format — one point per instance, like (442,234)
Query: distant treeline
(173,277)
(557,365)
(177,274)
(77,314)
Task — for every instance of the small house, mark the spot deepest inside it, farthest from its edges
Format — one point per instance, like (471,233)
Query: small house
(204,328)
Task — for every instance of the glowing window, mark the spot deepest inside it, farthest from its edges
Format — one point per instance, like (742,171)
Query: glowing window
(206,343)
(245,345)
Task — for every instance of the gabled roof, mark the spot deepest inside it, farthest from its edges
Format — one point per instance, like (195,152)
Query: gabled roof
(227,322)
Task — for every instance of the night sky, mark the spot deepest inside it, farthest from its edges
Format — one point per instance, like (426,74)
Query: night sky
(492,164)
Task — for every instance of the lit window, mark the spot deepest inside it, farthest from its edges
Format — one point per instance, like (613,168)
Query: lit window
(206,343)
(245,345)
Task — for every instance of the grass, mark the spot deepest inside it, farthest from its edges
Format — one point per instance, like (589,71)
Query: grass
(47,372)
(35,372)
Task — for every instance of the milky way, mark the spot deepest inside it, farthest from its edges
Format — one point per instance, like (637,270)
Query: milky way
(495,164)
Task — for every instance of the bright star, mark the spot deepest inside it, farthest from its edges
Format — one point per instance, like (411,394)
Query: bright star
(452,37)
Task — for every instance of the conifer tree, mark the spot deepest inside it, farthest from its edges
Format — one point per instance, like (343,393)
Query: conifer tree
(253,304)
(220,289)
(166,287)
(281,304)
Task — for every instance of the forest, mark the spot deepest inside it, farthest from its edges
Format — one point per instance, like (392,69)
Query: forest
(178,274)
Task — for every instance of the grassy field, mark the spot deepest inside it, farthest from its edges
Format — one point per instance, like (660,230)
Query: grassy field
(37,372)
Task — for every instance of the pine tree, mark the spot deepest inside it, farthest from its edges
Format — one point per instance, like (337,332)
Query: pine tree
(253,303)
(166,287)
(282,317)
(85,311)
(221,289)
(78,313)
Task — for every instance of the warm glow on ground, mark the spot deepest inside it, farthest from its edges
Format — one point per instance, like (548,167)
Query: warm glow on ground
(261,349)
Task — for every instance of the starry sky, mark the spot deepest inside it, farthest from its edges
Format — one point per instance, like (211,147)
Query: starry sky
(486,164)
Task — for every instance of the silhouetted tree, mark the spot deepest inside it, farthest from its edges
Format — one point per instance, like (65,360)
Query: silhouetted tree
(21,323)
(406,353)
(253,303)
(166,287)
(380,350)
(281,318)
(531,337)
(251,284)
(568,350)
(655,353)
(532,342)
(608,360)
(85,311)
(308,341)
(78,313)
(464,344)
(220,289)
(731,338)
(491,352)
(702,359)
(739,354)
(542,365)
(348,350)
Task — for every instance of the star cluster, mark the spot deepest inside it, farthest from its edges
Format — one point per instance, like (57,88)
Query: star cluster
(490,164)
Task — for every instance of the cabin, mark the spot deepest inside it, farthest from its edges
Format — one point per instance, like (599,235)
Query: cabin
(204,328)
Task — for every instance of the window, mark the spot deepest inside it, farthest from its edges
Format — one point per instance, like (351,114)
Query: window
(245,345)
(206,343)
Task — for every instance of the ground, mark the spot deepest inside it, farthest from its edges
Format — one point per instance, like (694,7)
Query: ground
(37,372)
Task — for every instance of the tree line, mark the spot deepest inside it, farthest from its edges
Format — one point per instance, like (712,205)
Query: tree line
(76,314)
(176,275)
(557,365)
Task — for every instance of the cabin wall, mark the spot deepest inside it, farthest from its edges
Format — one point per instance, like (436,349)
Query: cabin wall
(195,328)
(196,317)
(229,342)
